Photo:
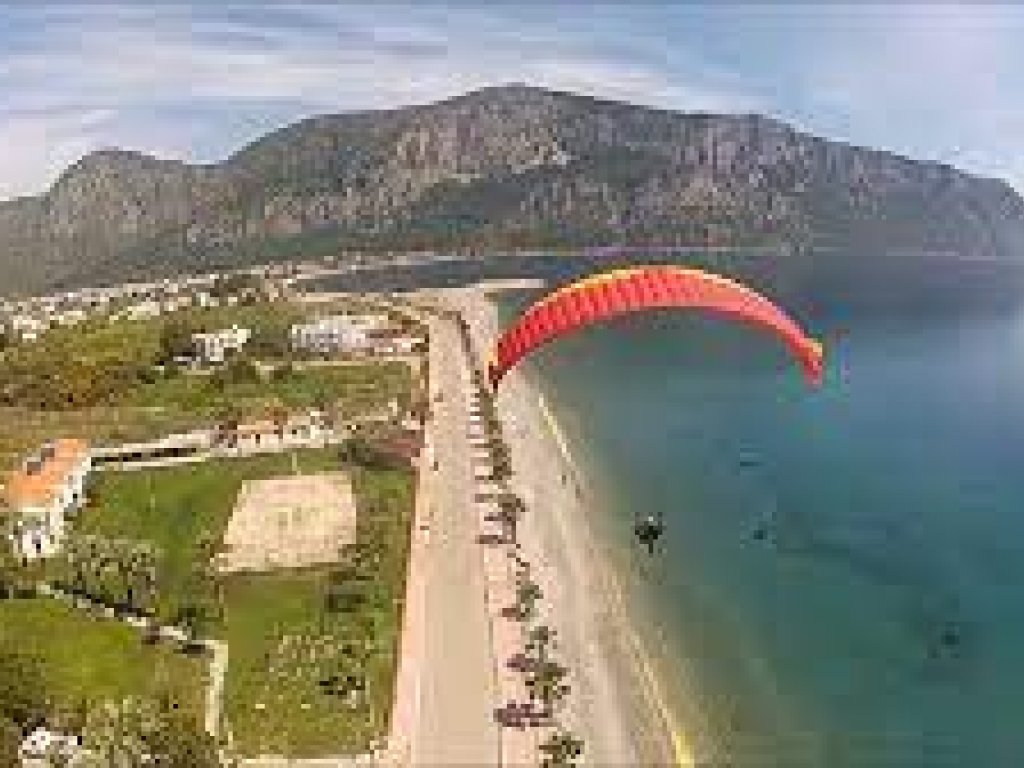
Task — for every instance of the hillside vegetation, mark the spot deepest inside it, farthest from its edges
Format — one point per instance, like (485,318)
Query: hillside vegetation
(507,166)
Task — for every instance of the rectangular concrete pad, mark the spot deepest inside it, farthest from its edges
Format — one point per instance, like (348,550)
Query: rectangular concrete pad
(290,522)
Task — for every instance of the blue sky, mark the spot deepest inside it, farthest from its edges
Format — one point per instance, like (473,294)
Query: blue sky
(941,81)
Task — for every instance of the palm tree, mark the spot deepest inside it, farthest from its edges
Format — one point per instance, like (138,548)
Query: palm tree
(502,470)
(492,424)
(528,592)
(478,378)
(561,750)
(546,682)
(539,640)
(500,453)
(511,508)
(495,439)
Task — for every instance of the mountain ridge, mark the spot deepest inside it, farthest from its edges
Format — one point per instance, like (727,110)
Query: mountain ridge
(499,167)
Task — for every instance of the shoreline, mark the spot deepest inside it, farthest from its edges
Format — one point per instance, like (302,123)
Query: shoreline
(616,699)
(682,749)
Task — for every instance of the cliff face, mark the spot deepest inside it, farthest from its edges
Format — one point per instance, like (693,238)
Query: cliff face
(500,166)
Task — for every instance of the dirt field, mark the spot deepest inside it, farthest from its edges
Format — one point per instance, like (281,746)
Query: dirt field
(290,522)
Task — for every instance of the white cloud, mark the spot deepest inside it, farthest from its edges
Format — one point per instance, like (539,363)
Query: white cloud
(43,145)
(126,61)
(192,82)
(935,81)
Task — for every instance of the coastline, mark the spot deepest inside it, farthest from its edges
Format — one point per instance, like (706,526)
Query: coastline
(618,704)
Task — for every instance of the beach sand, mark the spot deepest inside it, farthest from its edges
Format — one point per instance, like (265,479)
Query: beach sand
(617,704)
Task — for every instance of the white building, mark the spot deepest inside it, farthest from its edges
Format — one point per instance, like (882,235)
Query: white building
(206,300)
(309,429)
(44,492)
(175,303)
(70,317)
(28,327)
(143,309)
(397,345)
(337,333)
(217,346)
(42,745)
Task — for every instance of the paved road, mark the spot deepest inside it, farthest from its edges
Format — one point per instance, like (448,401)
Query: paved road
(457,696)
(215,692)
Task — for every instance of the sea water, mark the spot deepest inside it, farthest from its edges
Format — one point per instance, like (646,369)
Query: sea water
(842,577)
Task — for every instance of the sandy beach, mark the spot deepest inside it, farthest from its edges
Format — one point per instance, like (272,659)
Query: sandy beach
(617,704)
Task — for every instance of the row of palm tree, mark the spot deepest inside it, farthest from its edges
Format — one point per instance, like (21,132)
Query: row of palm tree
(545,678)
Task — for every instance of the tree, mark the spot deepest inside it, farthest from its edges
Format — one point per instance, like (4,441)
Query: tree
(346,595)
(179,742)
(117,572)
(22,691)
(539,640)
(360,452)
(10,568)
(200,607)
(501,459)
(139,731)
(561,750)
(497,446)
(176,338)
(141,560)
(238,284)
(92,566)
(511,510)
(546,682)
(240,369)
(528,592)
(228,418)
(10,742)
(270,341)
(282,372)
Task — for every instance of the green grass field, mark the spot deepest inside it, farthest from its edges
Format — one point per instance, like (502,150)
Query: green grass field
(283,640)
(188,402)
(358,388)
(176,507)
(95,658)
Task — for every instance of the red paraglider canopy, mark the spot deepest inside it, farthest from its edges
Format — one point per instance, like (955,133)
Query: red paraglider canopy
(609,294)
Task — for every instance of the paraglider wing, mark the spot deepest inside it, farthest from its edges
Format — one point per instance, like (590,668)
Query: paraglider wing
(609,294)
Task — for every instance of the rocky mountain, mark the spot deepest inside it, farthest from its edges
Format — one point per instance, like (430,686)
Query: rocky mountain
(504,166)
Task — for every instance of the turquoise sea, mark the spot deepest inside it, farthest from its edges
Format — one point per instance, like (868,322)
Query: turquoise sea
(842,581)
